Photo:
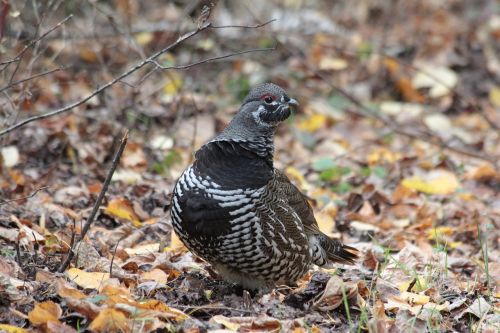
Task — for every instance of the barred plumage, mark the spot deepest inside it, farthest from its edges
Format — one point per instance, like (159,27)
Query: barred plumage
(232,208)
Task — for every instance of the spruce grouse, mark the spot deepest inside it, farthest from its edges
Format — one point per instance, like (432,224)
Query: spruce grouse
(232,208)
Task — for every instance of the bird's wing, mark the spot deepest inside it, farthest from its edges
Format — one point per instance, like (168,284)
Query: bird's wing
(298,202)
(333,249)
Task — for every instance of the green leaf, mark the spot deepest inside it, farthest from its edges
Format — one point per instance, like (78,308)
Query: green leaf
(323,164)
(334,173)
(342,187)
(379,171)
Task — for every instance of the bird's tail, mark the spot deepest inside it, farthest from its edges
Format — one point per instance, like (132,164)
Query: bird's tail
(334,251)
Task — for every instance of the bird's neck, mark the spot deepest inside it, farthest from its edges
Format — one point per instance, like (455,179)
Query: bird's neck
(260,145)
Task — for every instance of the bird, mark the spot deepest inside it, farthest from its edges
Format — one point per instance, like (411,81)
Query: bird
(234,209)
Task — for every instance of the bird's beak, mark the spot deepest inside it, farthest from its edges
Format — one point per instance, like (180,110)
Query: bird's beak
(293,102)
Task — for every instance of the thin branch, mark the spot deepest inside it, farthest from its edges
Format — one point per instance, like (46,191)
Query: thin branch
(211,59)
(106,85)
(242,26)
(34,41)
(30,78)
(2,202)
(97,204)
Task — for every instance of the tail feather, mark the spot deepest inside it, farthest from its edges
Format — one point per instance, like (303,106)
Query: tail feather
(335,251)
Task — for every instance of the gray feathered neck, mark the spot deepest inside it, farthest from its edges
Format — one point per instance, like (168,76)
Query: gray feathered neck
(243,131)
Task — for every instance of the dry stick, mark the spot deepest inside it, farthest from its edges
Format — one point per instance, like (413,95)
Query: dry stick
(2,202)
(30,78)
(97,204)
(212,59)
(34,41)
(121,76)
(113,257)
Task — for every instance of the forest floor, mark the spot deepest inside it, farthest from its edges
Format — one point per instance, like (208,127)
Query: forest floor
(396,142)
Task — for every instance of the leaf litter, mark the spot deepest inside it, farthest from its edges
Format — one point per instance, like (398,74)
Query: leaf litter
(426,218)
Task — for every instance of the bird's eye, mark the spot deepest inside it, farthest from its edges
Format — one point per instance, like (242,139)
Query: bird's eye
(268,99)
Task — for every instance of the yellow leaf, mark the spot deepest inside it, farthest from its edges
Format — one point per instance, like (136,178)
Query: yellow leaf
(381,154)
(144,38)
(495,96)
(12,329)
(297,177)
(122,208)
(110,320)
(45,312)
(156,305)
(439,182)
(176,244)
(335,64)
(172,84)
(439,232)
(454,245)
(143,249)
(219,319)
(156,275)
(414,298)
(312,123)
(466,196)
(90,280)
(418,286)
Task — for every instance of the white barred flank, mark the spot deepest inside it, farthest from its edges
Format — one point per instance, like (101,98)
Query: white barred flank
(246,243)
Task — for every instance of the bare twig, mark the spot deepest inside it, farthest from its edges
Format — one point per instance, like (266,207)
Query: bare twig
(243,26)
(2,202)
(97,204)
(30,78)
(34,41)
(211,59)
(113,257)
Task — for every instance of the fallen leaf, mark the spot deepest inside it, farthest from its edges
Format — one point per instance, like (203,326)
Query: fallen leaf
(333,295)
(122,208)
(440,182)
(143,249)
(45,312)
(437,233)
(335,64)
(312,123)
(65,291)
(110,320)
(223,320)
(10,156)
(441,80)
(479,308)
(88,280)
(12,329)
(495,96)
(157,305)
(156,275)
(414,298)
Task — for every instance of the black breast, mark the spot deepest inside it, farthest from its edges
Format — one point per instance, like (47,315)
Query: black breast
(231,166)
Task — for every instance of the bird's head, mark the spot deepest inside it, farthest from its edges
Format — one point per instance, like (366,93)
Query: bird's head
(267,104)
(255,123)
